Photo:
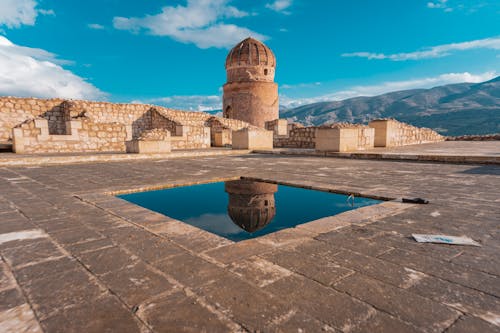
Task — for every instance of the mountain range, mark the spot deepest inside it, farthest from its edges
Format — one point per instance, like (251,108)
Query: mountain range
(454,109)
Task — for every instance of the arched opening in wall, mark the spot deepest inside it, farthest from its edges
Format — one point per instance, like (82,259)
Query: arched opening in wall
(266,71)
(228,112)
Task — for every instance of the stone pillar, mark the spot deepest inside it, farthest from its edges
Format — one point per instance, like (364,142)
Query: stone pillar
(250,138)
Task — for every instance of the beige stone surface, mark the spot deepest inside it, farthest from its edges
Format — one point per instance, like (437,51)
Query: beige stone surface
(252,139)
(108,265)
(344,139)
(222,138)
(191,130)
(278,126)
(149,147)
(392,133)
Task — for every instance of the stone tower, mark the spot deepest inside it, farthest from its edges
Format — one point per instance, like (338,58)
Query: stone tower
(250,93)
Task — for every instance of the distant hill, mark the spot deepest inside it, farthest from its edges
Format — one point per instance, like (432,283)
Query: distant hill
(455,109)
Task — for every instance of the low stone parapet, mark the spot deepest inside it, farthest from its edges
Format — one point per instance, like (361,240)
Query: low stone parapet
(252,138)
(155,141)
(392,133)
(82,135)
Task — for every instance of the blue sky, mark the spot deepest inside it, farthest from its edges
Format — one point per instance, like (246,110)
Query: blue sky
(172,52)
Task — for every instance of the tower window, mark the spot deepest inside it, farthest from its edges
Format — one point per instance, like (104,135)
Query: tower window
(265,71)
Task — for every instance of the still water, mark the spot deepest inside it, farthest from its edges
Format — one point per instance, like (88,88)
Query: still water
(244,209)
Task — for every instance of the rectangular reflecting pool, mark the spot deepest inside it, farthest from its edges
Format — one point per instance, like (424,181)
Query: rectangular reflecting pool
(244,209)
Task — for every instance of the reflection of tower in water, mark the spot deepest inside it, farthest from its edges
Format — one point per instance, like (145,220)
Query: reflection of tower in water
(251,204)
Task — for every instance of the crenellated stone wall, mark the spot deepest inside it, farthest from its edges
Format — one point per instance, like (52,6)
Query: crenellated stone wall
(382,133)
(392,133)
(221,130)
(82,135)
(189,130)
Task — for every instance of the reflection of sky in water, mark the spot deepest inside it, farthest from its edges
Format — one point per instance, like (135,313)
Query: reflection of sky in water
(205,206)
(216,223)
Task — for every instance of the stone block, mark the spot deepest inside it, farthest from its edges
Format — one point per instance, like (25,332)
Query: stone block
(222,138)
(383,132)
(337,139)
(281,127)
(149,147)
(247,138)
(18,140)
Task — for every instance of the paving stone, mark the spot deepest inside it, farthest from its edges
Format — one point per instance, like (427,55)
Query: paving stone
(45,269)
(136,284)
(7,280)
(90,246)
(459,297)
(32,252)
(180,313)
(325,304)
(77,235)
(190,270)
(243,303)
(396,275)
(315,248)
(318,269)
(258,271)
(126,234)
(53,293)
(285,237)
(189,237)
(299,322)
(153,248)
(382,323)
(467,324)
(429,316)
(19,320)
(17,224)
(445,270)
(465,198)
(107,260)
(355,239)
(58,224)
(105,314)
(10,298)
(238,251)
(486,261)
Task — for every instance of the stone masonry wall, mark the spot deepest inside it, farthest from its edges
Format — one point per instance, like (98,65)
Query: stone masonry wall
(86,136)
(298,137)
(217,125)
(392,133)
(189,129)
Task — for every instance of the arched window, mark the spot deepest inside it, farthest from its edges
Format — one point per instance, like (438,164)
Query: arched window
(228,113)
(265,71)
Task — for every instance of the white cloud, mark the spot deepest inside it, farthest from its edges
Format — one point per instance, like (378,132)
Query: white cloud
(30,72)
(49,12)
(15,13)
(492,43)
(299,85)
(95,26)
(385,87)
(200,22)
(280,6)
(439,4)
(191,103)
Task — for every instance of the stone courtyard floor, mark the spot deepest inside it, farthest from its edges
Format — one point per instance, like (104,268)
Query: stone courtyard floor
(77,259)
